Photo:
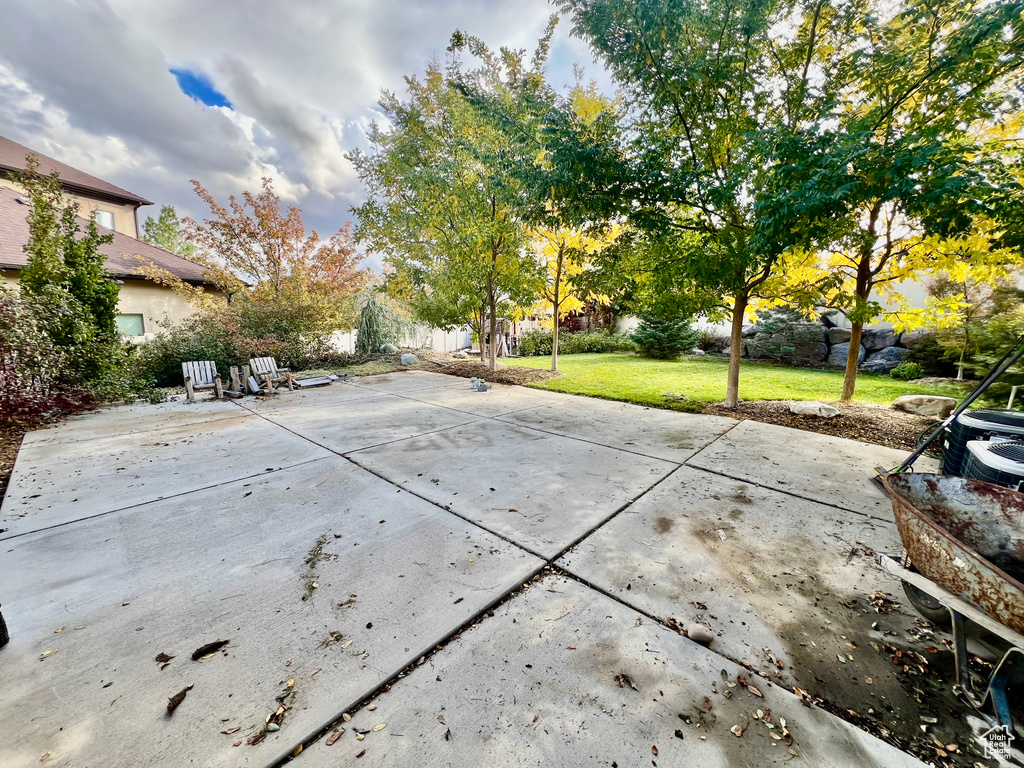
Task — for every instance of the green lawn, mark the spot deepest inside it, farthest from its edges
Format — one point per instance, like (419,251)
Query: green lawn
(622,376)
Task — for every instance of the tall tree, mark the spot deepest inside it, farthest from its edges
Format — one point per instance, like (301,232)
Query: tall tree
(699,80)
(904,151)
(65,275)
(445,201)
(166,232)
(566,255)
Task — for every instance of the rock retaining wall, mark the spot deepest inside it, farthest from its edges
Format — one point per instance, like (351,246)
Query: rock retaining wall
(809,344)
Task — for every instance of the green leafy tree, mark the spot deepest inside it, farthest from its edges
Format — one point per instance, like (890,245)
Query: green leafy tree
(700,81)
(167,232)
(445,200)
(908,150)
(64,276)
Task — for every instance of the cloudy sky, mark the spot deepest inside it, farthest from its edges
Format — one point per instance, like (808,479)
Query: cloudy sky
(148,94)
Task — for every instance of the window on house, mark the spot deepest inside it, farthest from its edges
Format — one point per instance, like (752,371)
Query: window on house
(131,325)
(104,218)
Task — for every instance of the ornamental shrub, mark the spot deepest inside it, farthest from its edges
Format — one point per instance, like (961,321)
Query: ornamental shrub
(907,371)
(664,338)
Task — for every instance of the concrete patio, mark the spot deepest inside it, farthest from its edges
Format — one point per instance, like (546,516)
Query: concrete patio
(494,577)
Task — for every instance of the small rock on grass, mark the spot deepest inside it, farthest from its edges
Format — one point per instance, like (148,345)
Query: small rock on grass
(700,634)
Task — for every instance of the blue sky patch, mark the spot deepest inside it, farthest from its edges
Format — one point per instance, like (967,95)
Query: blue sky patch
(200,88)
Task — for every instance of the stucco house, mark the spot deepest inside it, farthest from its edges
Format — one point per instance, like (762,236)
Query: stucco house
(143,305)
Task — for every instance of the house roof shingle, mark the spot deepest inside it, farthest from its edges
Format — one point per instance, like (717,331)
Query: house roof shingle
(14,234)
(12,159)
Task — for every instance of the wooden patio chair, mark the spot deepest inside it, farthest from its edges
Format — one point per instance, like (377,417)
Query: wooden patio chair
(201,375)
(266,371)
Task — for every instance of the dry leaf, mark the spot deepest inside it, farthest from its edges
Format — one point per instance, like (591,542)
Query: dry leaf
(57,631)
(379,727)
(440,719)
(297,750)
(334,737)
(237,743)
(204,651)
(46,757)
(346,717)
(371,708)
(176,699)
(774,735)
(229,731)
(361,754)
(738,730)
(48,654)
(162,658)
(754,691)
(571,647)
(346,644)
(315,671)
(654,751)
(448,735)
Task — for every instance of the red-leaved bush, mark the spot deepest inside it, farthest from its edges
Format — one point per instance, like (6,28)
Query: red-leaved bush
(32,381)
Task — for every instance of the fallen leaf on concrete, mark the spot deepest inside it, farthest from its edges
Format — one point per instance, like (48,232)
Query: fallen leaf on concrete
(361,754)
(45,757)
(176,699)
(755,691)
(229,731)
(162,658)
(448,735)
(440,719)
(297,750)
(58,630)
(654,751)
(48,654)
(209,648)
(379,727)
(334,737)
(237,743)
(371,708)
(623,680)
(346,717)
(315,671)
(737,730)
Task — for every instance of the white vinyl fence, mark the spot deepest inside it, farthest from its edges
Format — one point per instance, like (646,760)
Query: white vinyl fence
(423,338)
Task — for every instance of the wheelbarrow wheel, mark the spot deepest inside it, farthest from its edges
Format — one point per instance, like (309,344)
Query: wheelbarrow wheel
(928,606)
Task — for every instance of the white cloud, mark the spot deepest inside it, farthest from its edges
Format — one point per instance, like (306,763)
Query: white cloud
(303,79)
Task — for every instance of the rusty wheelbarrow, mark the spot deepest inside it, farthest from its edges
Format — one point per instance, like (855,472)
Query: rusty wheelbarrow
(964,542)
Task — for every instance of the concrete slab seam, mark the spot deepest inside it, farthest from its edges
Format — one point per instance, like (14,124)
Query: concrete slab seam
(786,492)
(429,651)
(162,498)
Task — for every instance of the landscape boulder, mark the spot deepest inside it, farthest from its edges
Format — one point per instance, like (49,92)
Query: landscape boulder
(388,349)
(750,330)
(837,354)
(460,355)
(911,339)
(409,359)
(884,360)
(812,408)
(838,335)
(877,339)
(925,405)
(696,352)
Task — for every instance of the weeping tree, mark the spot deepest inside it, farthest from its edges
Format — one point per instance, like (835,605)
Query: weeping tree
(379,324)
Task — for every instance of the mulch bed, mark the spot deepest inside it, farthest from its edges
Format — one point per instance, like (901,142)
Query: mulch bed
(875,424)
(470,368)
(10,442)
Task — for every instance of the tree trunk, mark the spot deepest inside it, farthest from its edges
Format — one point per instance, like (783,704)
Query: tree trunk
(852,362)
(555,304)
(481,332)
(732,389)
(492,348)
